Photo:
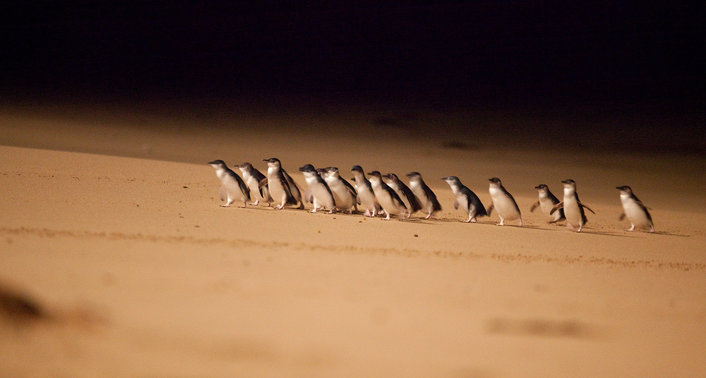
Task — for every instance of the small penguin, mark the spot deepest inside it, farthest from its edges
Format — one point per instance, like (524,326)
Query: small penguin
(319,193)
(410,201)
(280,187)
(503,202)
(343,191)
(425,197)
(366,197)
(466,199)
(387,198)
(546,202)
(253,178)
(573,208)
(232,186)
(635,210)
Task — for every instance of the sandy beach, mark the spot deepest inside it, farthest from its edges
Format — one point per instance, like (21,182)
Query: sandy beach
(114,230)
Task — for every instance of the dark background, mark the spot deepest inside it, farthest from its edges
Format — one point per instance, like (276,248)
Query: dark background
(576,59)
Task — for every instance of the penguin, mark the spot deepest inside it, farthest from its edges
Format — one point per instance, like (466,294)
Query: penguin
(319,193)
(635,210)
(573,208)
(410,201)
(232,186)
(253,178)
(366,197)
(387,198)
(503,202)
(466,199)
(425,197)
(546,202)
(343,191)
(279,186)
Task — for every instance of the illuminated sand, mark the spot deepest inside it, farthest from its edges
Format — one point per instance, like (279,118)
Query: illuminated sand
(143,274)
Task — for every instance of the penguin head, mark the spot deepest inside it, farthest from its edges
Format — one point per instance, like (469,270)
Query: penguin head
(495,182)
(375,176)
(273,162)
(624,188)
(569,186)
(541,187)
(450,179)
(414,177)
(357,168)
(391,177)
(332,171)
(217,163)
(307,168)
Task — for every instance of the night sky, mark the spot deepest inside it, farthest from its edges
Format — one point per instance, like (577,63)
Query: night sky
(499,53)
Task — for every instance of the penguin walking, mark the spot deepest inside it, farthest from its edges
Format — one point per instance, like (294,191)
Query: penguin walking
(232,186)
(403,191)
(388,198)
(366,197)
(426,198)
(280,185)
(503,202)
(573,208)
(466,199)
(253,179)
(343,191)
(546,202)
(318,193)
(635,210)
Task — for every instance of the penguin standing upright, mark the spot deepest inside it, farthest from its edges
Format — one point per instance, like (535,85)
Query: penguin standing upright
(279,186)
(387,198)
(318,193)
(254,179)
(366,197)
(503,202)
(635,210)
(403,191)
(573,208)
(546,203)
(232,186)
(465,199)
(425,196)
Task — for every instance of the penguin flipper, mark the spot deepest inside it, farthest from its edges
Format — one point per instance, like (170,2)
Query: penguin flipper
(456,204)
(586,207)
(534,206)
(622,216)
(489,210)
(262,183)
(309,196)
(556,207)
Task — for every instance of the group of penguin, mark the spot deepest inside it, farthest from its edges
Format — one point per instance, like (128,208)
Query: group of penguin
(387,195)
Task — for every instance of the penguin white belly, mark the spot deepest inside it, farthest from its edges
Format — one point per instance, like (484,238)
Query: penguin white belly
(277,191)
(463,202)
(387,204)
(572,212)
(322,197)
(344,199)
(254,187)
(367,199)
(547,205)
(504,205)
(427,205)
(636,215)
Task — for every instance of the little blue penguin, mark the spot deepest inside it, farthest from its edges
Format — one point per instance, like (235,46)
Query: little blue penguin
(466,199)
(546,202)
(318,193)
(403,191)
(387,198)
(503,202)
(232,186)
(279,186)
(635,210)
(366,197)
(573,208)
(253,179)
(425,196)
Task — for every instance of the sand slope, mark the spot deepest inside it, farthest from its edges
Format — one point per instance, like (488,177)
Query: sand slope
(143,273)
